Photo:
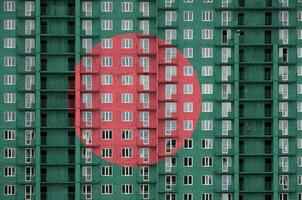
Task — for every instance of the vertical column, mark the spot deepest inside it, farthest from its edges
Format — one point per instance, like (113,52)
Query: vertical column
(77,101)
(157,103)
(236,116)
(275,123)
(37,101)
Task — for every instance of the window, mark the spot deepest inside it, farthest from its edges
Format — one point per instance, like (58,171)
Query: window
(144,99)
(226,71)
(29,8)
(87,45)
(299,15)
(9,134)
(127,80)
(126,152)
(106,79)
(106,116)
(126,171)
(9,190)
(29,63)
(144,136)
(299,34)
(187,125)
(144,26)
(106,6)
(188,161)
(106,43)
(299,161)
(207,34)
(299,52)
(9,171)
(9,61)
(170,17)
(188,106)
(106,25)
(127,43)
(9,43)
(225,54)
(106,171)
(170,182)
(126,61)
(188,52)
(144,44)
(188,15)
(284,181)
(126,6)
(207,143)
(106,153)
(207,196)
(226,181)
(106,97)
(87,8)
(206,162)
(126,25)
(29,26)
(87,173)
(226,163)
(29,81)
(283,145)
(207,16)
(170,34)
(299,143)
(206,52)
(29,118)
(9,153)
(87,118)
(207,106)
(29,192)
(9,97)
(144,8)
(126,134)
(87,191)
(188,143)
(226,126)
(9,116)
(106,189)
(207,70)
(284,163)
(87,25)
(170,126)
(207,89)
(127,98)
(283,18)
(9,6)
(188,71)
(188,89)
(127,189)
(225,17)
(188,34)
(206,180)
(206,125)
(106,134)
(126,116)
(9,24)
(188,180)
(106,61)
(283,36)
(226,145)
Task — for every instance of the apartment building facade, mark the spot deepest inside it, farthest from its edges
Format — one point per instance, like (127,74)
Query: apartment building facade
(145,99)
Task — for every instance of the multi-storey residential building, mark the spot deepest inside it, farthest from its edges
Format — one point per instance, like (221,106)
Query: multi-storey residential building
(145,99)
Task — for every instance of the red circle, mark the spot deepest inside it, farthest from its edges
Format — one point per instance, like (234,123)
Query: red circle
(158,136)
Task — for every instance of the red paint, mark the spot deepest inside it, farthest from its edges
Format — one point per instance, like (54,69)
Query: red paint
(157,101)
